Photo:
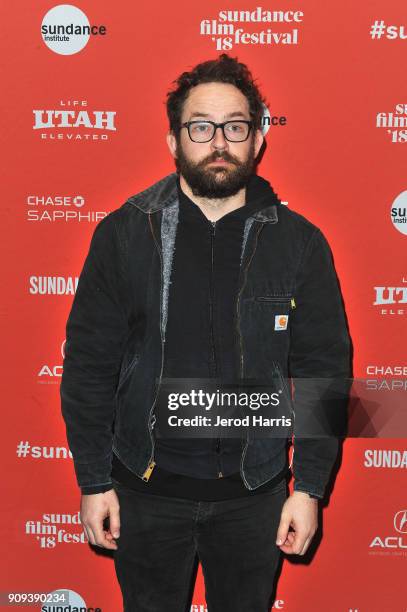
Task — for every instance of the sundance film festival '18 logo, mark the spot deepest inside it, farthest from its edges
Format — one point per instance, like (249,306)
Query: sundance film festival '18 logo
(54,529)
(74,121)
(229,28)
(394,123)
(66,30)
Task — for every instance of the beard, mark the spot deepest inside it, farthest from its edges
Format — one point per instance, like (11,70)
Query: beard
(215,182)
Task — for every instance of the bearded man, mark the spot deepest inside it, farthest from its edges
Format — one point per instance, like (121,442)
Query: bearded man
(203,275)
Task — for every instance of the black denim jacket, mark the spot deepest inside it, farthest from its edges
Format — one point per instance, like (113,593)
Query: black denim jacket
(115,335)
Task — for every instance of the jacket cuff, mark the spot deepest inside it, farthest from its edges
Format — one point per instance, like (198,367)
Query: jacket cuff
(313,491)
(93,474)
(91,489)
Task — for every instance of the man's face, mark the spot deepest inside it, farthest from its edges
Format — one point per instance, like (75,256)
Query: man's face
(195,161)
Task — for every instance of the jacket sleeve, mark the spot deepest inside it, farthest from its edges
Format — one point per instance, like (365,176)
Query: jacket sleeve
(319,352)
(96,331)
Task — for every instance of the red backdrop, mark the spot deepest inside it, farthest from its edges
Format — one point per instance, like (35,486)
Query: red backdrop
(336,74)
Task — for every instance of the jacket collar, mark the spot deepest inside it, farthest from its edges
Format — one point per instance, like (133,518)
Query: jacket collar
(164,192)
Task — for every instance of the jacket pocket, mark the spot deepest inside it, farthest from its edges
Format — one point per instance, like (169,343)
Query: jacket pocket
(275,310)
(276,299)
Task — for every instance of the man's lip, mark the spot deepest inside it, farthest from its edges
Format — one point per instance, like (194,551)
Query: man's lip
(220,161)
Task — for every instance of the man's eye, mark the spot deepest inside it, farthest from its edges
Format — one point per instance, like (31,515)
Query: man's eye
(200,127)
(235,127)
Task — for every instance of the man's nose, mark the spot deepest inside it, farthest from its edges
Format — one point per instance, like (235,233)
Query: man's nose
(219,141)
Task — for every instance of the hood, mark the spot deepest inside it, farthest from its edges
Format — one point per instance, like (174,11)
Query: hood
(260,197)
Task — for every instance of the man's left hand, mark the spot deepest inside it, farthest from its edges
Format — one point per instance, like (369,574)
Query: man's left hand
(300,512)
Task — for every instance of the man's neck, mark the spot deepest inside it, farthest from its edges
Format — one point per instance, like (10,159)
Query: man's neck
(215,208)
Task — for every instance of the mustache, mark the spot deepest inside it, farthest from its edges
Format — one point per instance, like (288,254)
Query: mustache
(216,156)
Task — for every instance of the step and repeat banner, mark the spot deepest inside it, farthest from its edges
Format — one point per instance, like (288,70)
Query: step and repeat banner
(84,90)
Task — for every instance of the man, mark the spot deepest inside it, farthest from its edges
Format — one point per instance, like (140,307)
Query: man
(202,275)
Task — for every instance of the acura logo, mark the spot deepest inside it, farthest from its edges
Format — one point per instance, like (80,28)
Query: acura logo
(400,521)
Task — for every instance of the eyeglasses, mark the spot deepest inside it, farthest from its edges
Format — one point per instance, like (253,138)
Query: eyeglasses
(204,131)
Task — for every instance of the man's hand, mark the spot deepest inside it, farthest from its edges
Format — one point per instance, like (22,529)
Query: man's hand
(300,512)
(94,509)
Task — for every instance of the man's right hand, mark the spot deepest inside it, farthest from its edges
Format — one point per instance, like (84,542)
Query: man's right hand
(94,509)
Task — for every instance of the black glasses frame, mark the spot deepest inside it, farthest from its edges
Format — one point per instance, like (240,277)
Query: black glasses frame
(216,125)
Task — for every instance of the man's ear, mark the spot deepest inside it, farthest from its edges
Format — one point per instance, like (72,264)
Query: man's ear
(258,141)
(172,143)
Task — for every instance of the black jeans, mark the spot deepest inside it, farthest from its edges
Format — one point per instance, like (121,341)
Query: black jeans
(163,538)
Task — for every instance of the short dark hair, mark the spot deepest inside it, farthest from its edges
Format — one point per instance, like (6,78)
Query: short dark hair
(224,69)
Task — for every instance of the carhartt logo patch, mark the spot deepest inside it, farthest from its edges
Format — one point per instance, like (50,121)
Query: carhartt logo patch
(280,322)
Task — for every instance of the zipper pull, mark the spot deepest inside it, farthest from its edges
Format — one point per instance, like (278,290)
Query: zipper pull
(147,473)
(293,305)
(220,475)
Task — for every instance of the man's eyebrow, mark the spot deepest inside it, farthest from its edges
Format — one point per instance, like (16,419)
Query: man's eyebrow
(228,116)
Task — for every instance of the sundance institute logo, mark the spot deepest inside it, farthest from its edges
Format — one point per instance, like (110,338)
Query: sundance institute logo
(399,212)
(66,30)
